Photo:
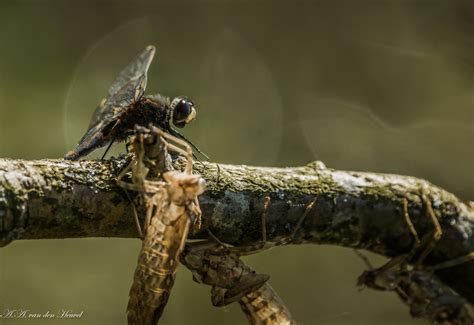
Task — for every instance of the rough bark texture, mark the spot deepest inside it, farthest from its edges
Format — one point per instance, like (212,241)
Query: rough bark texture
(59,199)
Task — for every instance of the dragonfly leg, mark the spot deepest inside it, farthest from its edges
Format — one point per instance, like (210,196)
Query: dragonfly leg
(108,147)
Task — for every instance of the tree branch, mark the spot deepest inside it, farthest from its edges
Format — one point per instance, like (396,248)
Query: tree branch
(62,199)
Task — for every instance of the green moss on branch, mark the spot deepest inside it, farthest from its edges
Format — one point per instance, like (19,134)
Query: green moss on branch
(61,199)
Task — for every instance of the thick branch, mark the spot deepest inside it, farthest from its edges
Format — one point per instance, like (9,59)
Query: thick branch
(59,199)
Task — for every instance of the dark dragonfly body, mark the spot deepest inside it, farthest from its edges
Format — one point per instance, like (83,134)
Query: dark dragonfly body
(126,106)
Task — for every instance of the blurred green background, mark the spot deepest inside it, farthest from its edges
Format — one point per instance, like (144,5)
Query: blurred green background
(382,86)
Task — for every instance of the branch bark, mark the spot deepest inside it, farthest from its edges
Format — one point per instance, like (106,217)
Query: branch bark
(61,199)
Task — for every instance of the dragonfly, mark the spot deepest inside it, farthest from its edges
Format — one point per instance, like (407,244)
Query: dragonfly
(126,105)
(171,206)
(417,286)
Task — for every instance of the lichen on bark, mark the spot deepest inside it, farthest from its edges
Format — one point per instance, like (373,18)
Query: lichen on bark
(60,199)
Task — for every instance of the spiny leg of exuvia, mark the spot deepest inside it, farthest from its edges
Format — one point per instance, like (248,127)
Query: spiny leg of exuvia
(264,244)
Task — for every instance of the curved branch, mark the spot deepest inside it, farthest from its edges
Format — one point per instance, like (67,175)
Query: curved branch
(62,199)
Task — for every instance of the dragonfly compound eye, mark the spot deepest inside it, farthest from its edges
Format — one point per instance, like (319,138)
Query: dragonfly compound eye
(184,111)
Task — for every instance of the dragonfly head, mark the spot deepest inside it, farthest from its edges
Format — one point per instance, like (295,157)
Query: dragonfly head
(182,111)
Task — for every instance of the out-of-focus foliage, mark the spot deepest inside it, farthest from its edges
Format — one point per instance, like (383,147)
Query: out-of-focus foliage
(381,86)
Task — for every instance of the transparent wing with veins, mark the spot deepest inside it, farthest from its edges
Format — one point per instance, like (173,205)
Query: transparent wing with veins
(127,88)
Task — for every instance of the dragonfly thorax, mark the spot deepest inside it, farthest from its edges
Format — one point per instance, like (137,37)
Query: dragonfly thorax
(148,111)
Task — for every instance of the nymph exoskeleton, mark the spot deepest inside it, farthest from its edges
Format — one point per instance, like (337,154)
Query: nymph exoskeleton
(171,206)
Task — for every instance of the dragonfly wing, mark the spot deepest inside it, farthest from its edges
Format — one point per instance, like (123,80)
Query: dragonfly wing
(134,70)
(111,108)
(94,138)
(126,90)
